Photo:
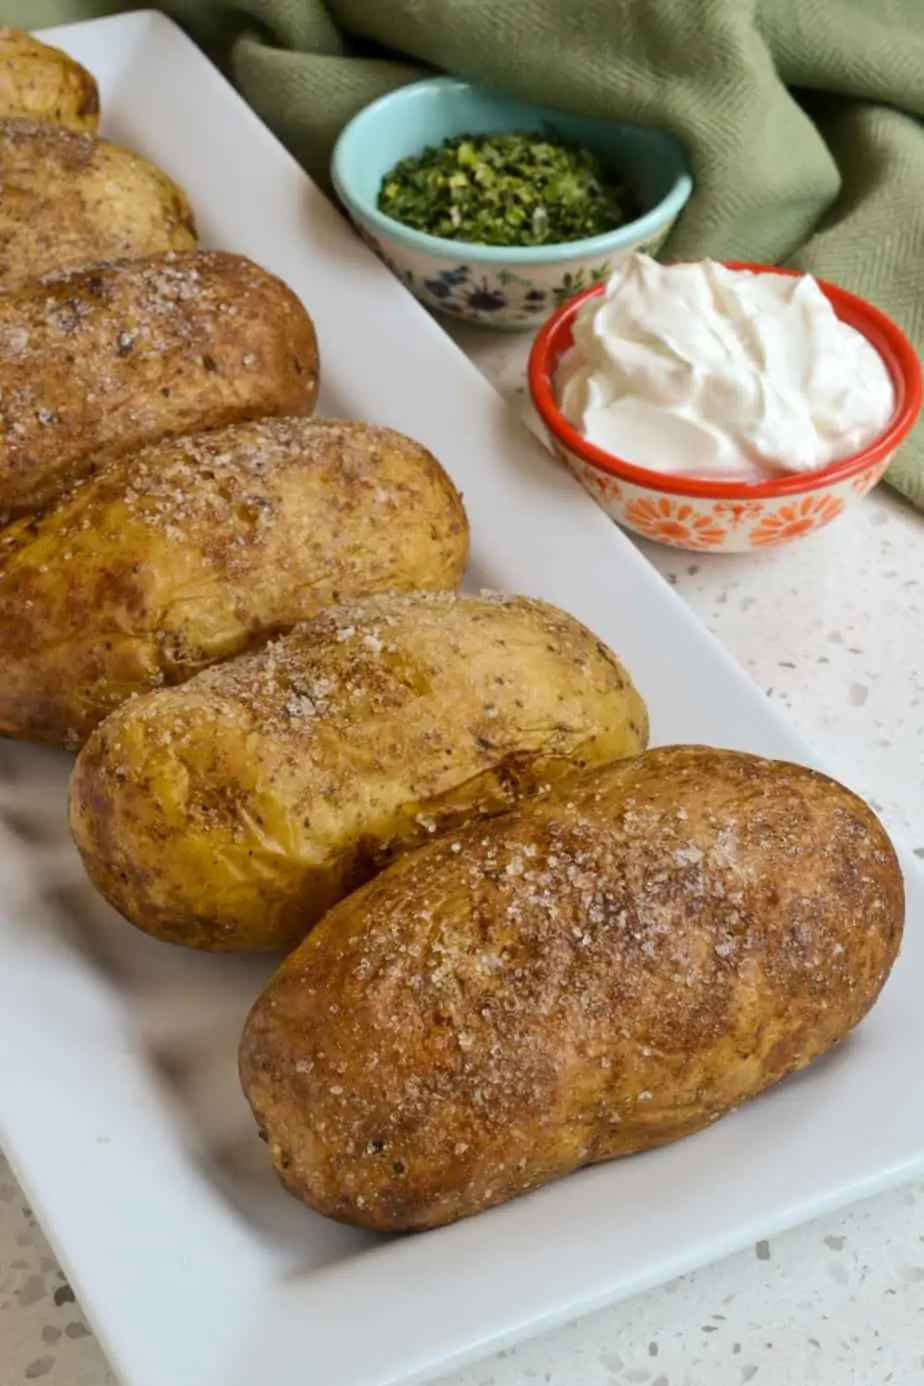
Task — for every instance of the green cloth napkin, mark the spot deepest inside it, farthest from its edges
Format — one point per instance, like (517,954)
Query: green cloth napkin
(802,118)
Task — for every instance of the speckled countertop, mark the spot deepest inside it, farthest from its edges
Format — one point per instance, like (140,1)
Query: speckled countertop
(833,629)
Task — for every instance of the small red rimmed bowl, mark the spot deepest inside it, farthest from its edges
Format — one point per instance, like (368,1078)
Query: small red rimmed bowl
(731,516)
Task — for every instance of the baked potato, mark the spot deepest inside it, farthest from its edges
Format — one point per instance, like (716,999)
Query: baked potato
(195,549)
(110,358)
(230,813)
(70,200)
(607,968)
(42,82)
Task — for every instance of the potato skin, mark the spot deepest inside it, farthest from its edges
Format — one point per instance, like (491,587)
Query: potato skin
(193,550)
(603,970)
(113,357)
(44,83)
(229,814)
(71,200)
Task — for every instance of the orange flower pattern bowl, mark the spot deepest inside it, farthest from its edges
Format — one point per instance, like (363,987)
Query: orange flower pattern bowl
(728,517)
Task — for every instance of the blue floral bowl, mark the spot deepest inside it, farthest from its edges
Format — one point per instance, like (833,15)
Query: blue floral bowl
(500,286)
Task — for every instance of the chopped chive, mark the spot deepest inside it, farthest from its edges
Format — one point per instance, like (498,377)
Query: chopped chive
(507,189)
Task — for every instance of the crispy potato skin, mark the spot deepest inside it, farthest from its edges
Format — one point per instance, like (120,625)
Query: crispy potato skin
(44,83)
(603,970)
(193,550)
(111,358)
(70,200)
(229,814)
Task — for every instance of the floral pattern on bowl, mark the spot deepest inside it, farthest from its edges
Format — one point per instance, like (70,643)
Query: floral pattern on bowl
(701,523)
(497,295)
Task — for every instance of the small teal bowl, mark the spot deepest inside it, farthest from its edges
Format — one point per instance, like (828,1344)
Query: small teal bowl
(500,286)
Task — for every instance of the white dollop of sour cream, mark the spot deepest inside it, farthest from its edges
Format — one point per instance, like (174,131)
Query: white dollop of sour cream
(702,371)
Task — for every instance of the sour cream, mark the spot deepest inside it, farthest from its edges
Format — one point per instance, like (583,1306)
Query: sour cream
(698,370)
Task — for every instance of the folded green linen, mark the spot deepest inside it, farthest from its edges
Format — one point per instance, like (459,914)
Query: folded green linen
(802,118)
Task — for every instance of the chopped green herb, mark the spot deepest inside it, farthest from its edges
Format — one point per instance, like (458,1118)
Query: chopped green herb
(509,189)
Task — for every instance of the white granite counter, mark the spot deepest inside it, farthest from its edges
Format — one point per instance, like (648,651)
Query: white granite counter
(833,628)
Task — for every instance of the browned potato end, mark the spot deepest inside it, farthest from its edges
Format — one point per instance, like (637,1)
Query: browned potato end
(42,82)
(604,969)
(71,200)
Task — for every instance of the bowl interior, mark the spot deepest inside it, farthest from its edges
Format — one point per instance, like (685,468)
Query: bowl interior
(425,113)
(896,351)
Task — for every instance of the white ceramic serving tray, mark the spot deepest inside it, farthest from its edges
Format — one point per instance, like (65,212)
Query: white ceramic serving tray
(119,1106)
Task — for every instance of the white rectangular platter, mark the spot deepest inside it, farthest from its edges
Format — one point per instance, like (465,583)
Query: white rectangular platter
(137,1151)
